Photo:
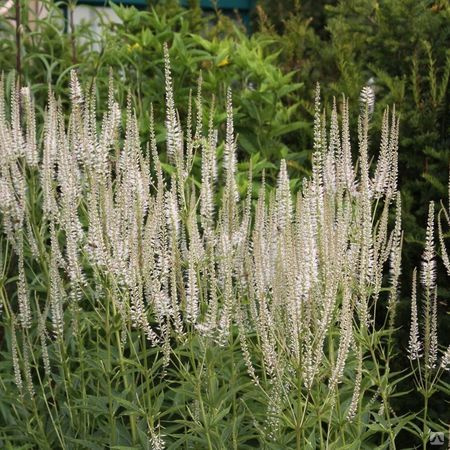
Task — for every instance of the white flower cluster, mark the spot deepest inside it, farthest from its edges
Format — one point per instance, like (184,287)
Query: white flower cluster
(177,258)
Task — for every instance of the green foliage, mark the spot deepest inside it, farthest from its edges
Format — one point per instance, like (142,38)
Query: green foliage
(266,99)
(260,89)
(282,12)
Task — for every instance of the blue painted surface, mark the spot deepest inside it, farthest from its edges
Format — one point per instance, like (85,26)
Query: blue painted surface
(244,5)
(241,5)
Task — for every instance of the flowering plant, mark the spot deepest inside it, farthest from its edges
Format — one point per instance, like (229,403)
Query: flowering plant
(137,305)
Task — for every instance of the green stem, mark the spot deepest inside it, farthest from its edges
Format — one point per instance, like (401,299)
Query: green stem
(199,395)
(300,412)
(112,420)
(124,377)
(426,429)
(66,377)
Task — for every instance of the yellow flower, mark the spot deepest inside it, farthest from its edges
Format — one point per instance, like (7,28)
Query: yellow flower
(132,48)
(225,61)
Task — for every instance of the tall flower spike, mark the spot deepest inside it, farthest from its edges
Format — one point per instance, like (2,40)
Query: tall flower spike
(49,158)
(445,362)
(2,102)
(153,146)
(333,163)
(191,292)
(317,157)
(189,140)
(382,170)
(346,337)
(349,175)
(174,139)
(432,354)
(207,189)
(16,128)
(31,152)
(231,195)
(317,121)
(444,252)
(357,389)
(15,357)
(156,440)
(212,139)
(393,155)
(283,198)
(366,267)
(229,155)
(363,138)
(27,369)
(415,346)
(367,98)
(199,107)
(428,274)
(22,291)
(76,93)
(395,262)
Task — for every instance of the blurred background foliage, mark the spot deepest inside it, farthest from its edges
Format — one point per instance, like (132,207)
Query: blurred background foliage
(402,47)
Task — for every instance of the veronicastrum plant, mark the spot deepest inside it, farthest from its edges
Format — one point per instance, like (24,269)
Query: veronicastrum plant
(140,310)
